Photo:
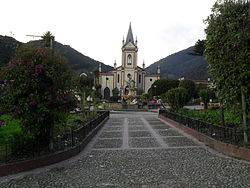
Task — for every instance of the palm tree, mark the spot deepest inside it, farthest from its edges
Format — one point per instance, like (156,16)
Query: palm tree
(48,39)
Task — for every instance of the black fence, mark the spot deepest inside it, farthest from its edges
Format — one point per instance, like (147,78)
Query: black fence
(225,134)
(28,149)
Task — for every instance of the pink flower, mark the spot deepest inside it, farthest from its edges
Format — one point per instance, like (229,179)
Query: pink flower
(1,123)
(39,68)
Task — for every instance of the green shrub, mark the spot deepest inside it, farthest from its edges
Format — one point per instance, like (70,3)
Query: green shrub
(176,97)
(206,95)
(145,96)
(189,86)
(115,98)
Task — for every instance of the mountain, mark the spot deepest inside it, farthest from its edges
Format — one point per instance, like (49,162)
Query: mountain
(8,46)
(181,64)
(77,61)
(177,65)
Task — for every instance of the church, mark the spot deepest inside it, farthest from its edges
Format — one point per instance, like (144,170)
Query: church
(118,80)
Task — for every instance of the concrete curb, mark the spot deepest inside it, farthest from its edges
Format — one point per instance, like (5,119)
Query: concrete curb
(26,165)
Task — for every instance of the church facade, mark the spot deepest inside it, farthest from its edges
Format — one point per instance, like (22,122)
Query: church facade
(118,80)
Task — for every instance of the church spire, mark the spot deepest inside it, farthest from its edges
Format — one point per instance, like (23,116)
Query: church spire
(130,37)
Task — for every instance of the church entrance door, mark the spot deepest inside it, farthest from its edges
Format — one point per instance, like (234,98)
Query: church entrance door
(106,93)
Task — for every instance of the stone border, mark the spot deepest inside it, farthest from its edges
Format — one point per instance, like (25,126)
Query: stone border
(26,165)
(225,148)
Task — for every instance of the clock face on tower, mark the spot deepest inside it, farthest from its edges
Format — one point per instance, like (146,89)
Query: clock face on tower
(129,59)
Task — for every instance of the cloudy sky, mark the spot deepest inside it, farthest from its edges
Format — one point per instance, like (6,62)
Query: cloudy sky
(96,27)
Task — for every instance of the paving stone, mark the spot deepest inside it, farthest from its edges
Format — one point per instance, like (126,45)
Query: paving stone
(133,123)
(144,163)
(155,122)
(142,143)
(108,143)
(193,167)
(114,124)
(113,128)
(137,127)
(113,134)
(169,132)
(139,134)
(179,141)
(160,127)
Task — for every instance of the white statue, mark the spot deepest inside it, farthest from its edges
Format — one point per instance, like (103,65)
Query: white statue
(131,85)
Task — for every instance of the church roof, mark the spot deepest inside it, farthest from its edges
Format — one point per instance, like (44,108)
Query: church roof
(130,37)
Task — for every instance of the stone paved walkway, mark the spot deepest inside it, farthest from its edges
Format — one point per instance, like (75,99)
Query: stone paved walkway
(136,149)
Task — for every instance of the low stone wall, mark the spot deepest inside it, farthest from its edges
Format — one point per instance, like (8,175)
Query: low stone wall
(13,168)
(228,149)
(113,105)
(119,106)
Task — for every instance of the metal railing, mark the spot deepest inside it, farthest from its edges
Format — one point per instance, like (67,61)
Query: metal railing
(225,134)
(62,142)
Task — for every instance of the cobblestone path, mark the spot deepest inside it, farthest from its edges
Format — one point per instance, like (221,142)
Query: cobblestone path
(135,149)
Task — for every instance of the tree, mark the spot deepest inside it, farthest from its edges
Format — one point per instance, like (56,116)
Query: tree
(227,51)
(97,92)
(84,90)
(38,90)
(96,76)
(161,86)
(176,97)
(145,96)
(206,95)
(199,48)
(189,86)
(115,96)
(48,40)
(85,84)
(227,47)
(115,92)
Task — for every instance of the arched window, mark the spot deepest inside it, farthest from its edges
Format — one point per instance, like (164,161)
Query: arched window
(129,59)
(118,78)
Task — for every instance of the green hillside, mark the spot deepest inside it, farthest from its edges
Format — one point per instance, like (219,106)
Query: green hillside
(78,62)
(181,64)
(8,45)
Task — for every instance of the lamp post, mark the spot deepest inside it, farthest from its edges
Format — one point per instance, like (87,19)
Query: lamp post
(155,90)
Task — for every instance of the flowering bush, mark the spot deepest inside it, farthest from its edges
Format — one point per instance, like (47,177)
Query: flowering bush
(37,90)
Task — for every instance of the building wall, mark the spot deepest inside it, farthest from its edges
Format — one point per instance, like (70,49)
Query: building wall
(149,80)
(140,80)
(143,81)
(107,80)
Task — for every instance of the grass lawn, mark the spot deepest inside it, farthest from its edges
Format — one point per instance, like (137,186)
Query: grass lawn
(9,125)
(212,116)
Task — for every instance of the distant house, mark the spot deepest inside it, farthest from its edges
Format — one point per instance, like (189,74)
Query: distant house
(207,82)
(119,77)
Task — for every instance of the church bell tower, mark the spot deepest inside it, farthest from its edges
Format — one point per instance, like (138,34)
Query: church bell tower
(129,51)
